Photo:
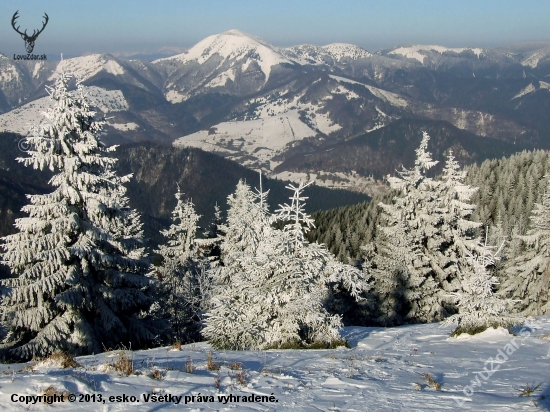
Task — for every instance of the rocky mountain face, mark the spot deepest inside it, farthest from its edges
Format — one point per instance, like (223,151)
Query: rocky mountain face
(337,113)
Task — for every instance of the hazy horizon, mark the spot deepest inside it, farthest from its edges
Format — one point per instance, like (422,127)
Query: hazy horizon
(129,28)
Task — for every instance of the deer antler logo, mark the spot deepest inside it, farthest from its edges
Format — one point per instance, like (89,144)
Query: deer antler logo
(29,40)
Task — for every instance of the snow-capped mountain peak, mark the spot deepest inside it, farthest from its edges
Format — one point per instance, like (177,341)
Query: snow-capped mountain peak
(235,45)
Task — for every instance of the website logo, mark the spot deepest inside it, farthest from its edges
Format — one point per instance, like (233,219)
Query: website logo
(29,40)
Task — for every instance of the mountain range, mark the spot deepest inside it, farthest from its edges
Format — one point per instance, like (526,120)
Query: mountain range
(337,113)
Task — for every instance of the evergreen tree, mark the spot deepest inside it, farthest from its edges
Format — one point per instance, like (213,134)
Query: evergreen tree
(211,244)
(496,236)
(458,231)
(184,287)
(237,319)
(79,255)
(479,306)
(247,223)
(507,188)
(272,292)
(315,265)
(411,229)
(528,278)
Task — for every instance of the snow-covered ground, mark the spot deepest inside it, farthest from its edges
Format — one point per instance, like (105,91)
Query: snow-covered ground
(274,125)
(385,370)
(261,139)
(414,52)
(392,98)
(85,67)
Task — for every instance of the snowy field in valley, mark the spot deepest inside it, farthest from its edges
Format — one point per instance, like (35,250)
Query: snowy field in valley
(385,370)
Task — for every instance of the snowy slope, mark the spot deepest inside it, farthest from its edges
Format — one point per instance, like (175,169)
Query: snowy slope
(20,119)
(383,371)
(393,98)
(341,51)
(417,52)
(535,57)
(9,74)
(230,58)
(526,90)
(530,88)
(236,45)
(87,66)
(251,141)
(269,129)
(274,123)
(335,52)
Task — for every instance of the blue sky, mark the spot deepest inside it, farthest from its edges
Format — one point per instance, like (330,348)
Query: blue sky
(81,27)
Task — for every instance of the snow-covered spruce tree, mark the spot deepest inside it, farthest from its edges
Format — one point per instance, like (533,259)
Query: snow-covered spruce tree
(479,308)
(184,287)
(236,319)
(317,273)
(213,238)
(79,256)
(410,231)
(457,230)
(385,260)
(247,223)
(272,293)
(528,276)
(496,236)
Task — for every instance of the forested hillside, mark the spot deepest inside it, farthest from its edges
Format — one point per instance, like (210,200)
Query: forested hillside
(508,187)
(512,211)
(206,178)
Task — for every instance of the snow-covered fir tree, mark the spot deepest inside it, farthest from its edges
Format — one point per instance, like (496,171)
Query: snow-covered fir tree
(234,319)
(528,279)
(496,236)
(79,256)
(417,257)
(247,223)
(213,238)
(185,287)
(458,231)
(274,294)
(320,276)
(479,307)
(334,273)
(411,229)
